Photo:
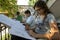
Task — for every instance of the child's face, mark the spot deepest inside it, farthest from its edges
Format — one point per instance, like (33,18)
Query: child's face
(27,15)
(39,10)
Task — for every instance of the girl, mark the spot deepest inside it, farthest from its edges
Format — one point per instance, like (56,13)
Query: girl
(45,23)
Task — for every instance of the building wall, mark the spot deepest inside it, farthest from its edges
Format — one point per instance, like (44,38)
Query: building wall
(55,8)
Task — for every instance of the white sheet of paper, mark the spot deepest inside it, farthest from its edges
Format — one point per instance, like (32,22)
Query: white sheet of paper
(16,27)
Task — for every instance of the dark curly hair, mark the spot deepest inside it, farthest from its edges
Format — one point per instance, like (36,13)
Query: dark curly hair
(43,5)
(27,12)
(17,13)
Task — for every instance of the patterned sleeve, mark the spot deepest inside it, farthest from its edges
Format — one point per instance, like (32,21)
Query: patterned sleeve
(29,20)
(51,18)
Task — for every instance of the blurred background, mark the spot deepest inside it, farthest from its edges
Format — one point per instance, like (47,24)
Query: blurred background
(10,7)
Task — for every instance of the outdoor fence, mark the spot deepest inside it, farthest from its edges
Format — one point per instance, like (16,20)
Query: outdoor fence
(4,35)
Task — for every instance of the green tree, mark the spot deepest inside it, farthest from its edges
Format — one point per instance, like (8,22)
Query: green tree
(9,5)
(32,2)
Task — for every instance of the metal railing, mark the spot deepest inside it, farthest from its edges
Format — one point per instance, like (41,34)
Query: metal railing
(4,35)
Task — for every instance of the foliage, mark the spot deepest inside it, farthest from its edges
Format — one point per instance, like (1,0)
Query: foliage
(32,2)
(9,5)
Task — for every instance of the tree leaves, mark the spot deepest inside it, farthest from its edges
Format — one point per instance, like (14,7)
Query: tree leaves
(9,5)
(32,2)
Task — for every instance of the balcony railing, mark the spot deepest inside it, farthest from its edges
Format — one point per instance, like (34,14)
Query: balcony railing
(4,35)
